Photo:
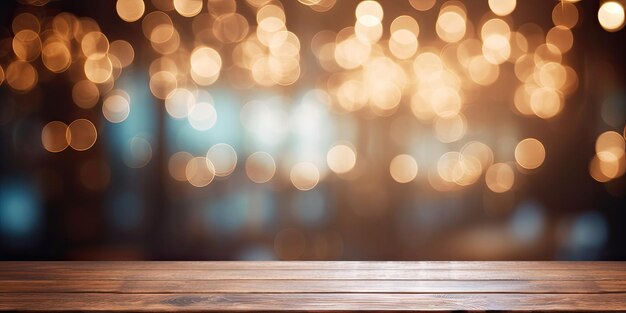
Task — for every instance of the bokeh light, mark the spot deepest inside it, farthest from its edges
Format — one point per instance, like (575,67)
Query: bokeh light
(53,136)
(422,5)
(611,16)
(565,14)
(21,76)
(609,162)
(98,69)
(282,130)
(500,177)
(199,171)
(206,65)
(56,56)
(304,176)
(188,8)
(502,7)
(224,159)
(403,168)
(85,94)
(130,10)
(341,158)
(177,165)
(116,106)
(81,134)
(137,152)
(202,116)
(260,167)
(530,153)
(179,102)
(123,51)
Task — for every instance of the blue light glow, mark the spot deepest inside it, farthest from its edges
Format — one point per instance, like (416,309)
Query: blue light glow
(20,210)
(125,210)
(234,211)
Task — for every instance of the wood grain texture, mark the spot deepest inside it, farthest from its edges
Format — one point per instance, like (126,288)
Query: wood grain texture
(314,274)
(312,286)
(310,301)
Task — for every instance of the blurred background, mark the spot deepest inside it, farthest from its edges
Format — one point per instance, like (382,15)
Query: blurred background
(312,130)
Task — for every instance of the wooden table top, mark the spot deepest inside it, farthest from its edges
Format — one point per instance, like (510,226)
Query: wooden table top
(312,286)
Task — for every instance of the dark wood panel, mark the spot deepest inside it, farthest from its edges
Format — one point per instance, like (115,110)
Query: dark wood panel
(326,302)
(316,274)
(313,286)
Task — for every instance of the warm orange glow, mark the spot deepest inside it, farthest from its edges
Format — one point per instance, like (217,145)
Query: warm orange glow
(98,69)
(304,176)
(530,153)
(451,24)
(130,10)
(422,5)
(56,56)
(206,65)
(95,45)
(199,172)
(53,136)
(81,134)
(260,167)
(436,84)
(116,106)
(341,158)
(611,16)
(25,21)
(224,159)
(21,76)
(202,116)
(561,37)
(500,177)
(177,165)
(450,129)
(26,45)
(502,7)
(229,28)
(565,14)
(179,102)
(85,94)
(403,168)
(162,84)
(188,8)
(610,146)
(123,51)
(480,151)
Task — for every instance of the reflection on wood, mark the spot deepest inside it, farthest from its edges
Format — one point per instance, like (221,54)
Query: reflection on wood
(318,286)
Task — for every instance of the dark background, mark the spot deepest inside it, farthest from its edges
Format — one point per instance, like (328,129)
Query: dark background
(558,213)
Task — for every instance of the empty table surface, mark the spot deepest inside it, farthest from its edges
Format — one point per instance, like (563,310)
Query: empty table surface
(312,286)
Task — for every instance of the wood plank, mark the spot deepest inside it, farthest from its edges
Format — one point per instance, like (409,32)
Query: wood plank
(303,302)
(315,274)
(328,265)
(312,286)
